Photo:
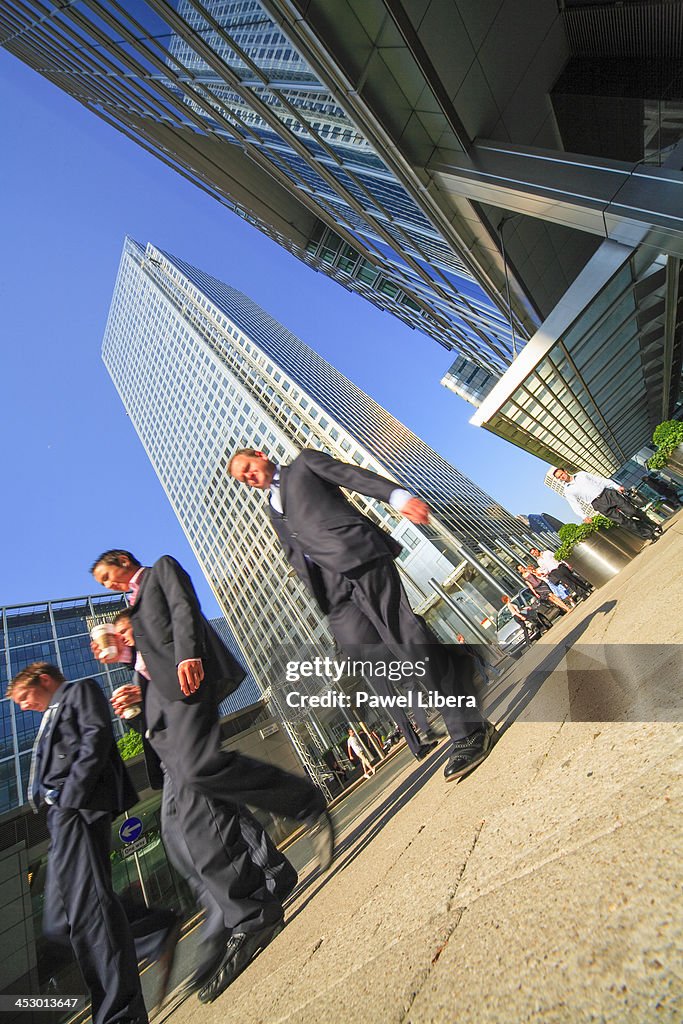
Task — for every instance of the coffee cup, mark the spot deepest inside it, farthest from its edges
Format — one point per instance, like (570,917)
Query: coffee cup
(105,635)
(131,711)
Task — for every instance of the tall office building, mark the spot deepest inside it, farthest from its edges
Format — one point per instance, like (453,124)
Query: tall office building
(203,371)
(505,177)
(220,92)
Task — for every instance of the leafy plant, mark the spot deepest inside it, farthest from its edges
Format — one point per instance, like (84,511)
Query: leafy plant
(572,534)
(130,745)
(667,436)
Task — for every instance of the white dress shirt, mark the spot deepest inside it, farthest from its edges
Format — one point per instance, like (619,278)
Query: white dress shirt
(586,487)
(547,561)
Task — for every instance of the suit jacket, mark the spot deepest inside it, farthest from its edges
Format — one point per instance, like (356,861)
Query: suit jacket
(79,756)
(169,627)
(318,525)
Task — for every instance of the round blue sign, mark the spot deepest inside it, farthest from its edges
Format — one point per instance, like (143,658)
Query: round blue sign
(130,830)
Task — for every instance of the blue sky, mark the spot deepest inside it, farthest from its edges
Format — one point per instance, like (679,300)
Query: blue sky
(76,477)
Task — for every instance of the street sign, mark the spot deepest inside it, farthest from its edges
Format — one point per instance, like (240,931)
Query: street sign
(130,830)
(135,847)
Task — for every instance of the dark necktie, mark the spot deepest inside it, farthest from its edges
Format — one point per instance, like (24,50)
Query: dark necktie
(35,771)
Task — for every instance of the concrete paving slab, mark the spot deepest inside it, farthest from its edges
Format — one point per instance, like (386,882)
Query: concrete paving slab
(543,888)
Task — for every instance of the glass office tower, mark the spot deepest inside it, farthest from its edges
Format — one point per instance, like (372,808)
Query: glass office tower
(203,371)
(220,93)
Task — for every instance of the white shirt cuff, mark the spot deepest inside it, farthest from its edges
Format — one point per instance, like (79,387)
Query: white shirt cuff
(400,498)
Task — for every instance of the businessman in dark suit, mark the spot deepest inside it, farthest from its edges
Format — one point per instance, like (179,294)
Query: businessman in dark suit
(348,565)
(189,672)
(77,771)
(281,878)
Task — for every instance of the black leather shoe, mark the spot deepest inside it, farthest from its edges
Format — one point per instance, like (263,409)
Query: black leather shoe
(470,751)
(321,832)
(240,950)
(425,748)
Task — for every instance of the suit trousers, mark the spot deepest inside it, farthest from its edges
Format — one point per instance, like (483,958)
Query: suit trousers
(82,908)
(571,580)
(280,876)
(370,609)
(210,786)
(616,506)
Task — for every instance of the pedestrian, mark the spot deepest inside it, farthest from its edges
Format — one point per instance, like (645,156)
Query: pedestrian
(348,565)
(541,589)
(189,672)
(662,488)
(76,770)
(357,751)
(526,615)
(280,876)
(560,572)
(608,498)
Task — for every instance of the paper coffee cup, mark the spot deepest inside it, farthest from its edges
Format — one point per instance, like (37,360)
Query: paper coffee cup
(133,710)
(104,636)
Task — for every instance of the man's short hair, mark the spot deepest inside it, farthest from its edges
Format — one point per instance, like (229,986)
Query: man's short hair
(249,452)
(559,469)
(113,557)
(30,676)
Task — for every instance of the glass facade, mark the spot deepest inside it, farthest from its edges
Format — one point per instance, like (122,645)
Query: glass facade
(203,371)
(594,381)
(220,93)
(59,632)
(468,380)
(248,692)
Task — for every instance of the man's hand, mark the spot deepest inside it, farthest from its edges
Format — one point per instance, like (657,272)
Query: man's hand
(588,519)
(125,697)
(190,675)
(120,648)
(417,511)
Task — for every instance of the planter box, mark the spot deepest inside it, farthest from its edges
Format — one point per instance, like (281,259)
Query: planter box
(599,559)
(630,543)
(675,461)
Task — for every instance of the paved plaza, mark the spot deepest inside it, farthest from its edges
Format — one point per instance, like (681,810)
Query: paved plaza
(544,888)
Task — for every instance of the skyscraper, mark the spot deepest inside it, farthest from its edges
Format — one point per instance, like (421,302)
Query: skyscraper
(219,92)
(504,177)
(202,371)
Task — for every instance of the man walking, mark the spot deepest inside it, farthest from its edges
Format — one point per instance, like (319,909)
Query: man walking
(560,572)
(348,565)
(190,671)
(607,498)
(77,771)
(280,876)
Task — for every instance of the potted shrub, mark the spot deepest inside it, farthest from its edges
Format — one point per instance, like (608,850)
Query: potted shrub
(597,550)
(668,437)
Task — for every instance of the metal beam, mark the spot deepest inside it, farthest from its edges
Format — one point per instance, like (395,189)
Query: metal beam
(630,204)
